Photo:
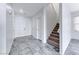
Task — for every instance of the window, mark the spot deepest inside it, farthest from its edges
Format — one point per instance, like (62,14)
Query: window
(76,23)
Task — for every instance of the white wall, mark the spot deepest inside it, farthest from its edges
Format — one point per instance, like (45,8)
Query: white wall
(6,30)
(34,27)
(75,34)
(9,30)
(2,28)
(44,22)
(16,25)
(51,19)
(38,25)
(66,27)
(22,25)
(56,7)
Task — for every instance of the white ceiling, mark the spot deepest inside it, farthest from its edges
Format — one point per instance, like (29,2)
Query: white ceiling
(29,9)
(74,7)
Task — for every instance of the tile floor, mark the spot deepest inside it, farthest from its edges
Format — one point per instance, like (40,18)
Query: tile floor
(28,45)
(73,48)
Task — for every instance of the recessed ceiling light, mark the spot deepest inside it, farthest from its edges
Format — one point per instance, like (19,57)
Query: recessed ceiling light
(21,11)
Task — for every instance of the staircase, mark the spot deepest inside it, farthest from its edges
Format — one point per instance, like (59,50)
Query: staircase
(54,38)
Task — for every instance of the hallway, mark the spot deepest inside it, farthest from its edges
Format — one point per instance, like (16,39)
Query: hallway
(28,45)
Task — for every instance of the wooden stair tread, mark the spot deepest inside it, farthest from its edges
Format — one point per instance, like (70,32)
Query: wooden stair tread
(56,27)
(53,43)
(55,35)
(54,39)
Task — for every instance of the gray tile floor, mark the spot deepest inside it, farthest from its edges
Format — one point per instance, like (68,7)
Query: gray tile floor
(73,48)
(28,45)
